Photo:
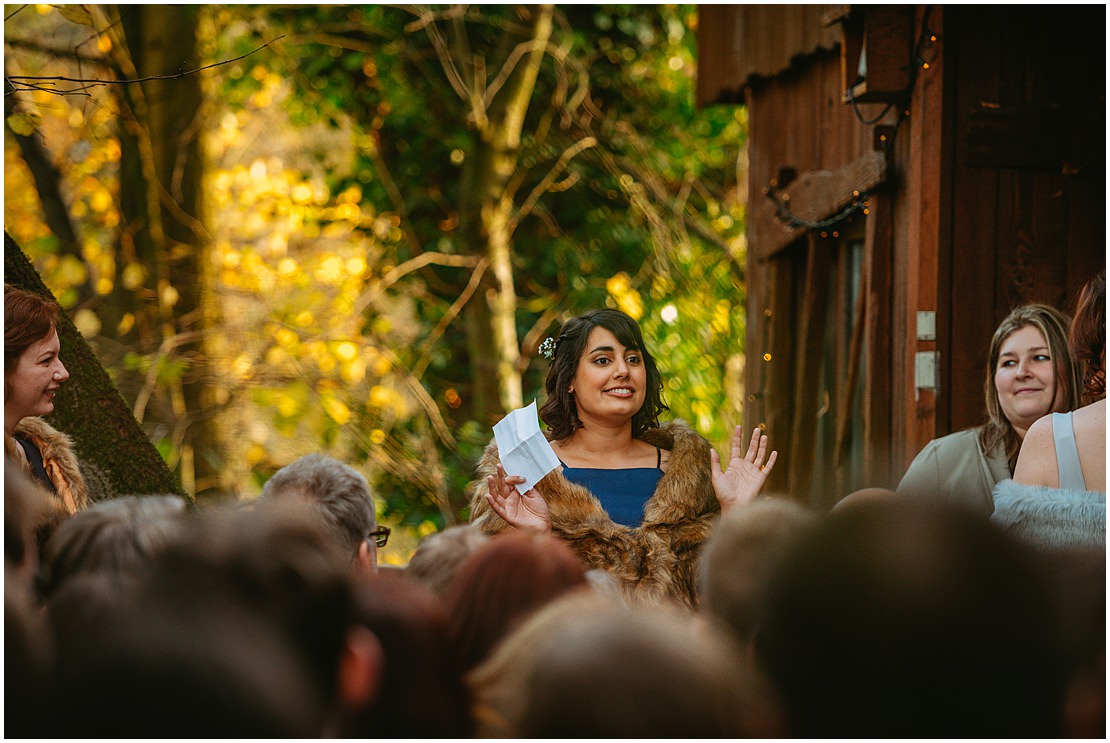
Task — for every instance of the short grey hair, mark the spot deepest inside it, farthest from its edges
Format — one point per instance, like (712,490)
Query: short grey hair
(338,492)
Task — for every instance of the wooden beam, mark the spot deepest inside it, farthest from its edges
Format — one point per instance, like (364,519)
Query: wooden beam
(812,197)
(808,358)
(878,393)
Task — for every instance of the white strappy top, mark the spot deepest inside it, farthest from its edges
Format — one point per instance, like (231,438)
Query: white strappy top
(1067,455)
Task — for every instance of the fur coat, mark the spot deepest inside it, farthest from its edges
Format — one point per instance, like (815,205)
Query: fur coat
(656,560)
(1051,518)
(58,459)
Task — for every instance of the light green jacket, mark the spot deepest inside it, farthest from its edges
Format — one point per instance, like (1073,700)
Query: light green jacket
(954,468)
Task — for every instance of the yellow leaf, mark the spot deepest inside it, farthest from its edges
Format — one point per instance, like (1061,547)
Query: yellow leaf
(133,276)
(354,371)
(103,44)
(24,124)
(101,200)
(346,350)
(88,324)
(287,405)
(339,412)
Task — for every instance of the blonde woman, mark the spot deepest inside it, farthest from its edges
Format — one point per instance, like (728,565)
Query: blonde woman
(1029,375)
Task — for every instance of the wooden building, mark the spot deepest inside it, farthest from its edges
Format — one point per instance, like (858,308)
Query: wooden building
(914,172)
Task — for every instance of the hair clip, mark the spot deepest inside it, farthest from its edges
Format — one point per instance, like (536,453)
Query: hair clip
(547,348)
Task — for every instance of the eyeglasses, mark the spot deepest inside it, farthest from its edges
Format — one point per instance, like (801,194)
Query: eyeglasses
(379,535)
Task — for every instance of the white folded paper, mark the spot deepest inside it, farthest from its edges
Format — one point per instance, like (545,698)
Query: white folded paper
(523,448)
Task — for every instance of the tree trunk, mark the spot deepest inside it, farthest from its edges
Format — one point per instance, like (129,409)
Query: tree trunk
(161,168)
(116,455)
(484,221)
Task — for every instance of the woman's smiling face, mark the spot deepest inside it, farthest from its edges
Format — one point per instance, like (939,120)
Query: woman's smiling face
(1025,378)
(611,379)
(31,384)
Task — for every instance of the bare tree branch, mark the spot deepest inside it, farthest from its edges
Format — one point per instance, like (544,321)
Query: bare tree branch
(451,314)
(443,259)
(15,83)
(548,180)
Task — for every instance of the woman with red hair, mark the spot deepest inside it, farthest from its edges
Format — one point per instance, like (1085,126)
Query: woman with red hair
(502,583)
(33,373)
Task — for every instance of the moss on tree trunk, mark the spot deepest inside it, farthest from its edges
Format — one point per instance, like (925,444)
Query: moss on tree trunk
(115,453)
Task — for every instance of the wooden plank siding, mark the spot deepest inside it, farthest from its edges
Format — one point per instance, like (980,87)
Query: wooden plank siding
(1024,228)
(991,195)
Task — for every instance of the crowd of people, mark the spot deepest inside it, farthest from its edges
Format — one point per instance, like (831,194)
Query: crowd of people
(646,587)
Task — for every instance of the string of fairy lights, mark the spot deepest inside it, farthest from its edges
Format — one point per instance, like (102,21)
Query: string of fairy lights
(859,202)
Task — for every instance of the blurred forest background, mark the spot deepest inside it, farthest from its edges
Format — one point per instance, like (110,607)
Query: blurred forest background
(347,228)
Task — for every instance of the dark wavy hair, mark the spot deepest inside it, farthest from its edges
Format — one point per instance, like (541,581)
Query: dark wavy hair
(560,412)
(1087,336)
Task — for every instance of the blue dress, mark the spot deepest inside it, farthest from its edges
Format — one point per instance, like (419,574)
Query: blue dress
(623,493)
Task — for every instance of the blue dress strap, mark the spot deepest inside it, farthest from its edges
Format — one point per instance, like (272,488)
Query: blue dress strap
(1067,455)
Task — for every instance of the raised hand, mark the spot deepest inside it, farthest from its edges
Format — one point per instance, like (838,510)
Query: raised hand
(525,511)
(741,482)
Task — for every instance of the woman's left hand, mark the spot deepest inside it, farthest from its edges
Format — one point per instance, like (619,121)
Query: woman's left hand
(741,482)
(527,510)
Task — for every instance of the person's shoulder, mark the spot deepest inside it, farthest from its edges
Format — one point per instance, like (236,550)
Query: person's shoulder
(925,472)
(1090,417)
(42,434)
(1039,434)
(1042,424)
(953,444)
(1036,464)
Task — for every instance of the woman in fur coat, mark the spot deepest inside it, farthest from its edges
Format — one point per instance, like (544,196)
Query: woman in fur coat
(33,372)
(633,496)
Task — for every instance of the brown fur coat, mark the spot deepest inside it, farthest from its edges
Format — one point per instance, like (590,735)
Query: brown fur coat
(59,460)
(656,560)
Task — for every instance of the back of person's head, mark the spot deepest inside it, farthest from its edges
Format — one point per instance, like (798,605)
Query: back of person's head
(118,536)
(85,606)
(1087,336)
(28,657)
(26,510)
(338,492)
(501,583)
(904,619)
(278,563)
(438,556)
(631,673)
(1078,578)
(740,557)
(500,681)
(218,673)
(422,693)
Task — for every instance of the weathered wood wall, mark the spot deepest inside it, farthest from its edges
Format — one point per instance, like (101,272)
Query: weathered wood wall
(1028,200)
(992,195)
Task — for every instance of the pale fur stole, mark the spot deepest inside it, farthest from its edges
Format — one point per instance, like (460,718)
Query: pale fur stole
(658,559)
(1051,518)
(58,459)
